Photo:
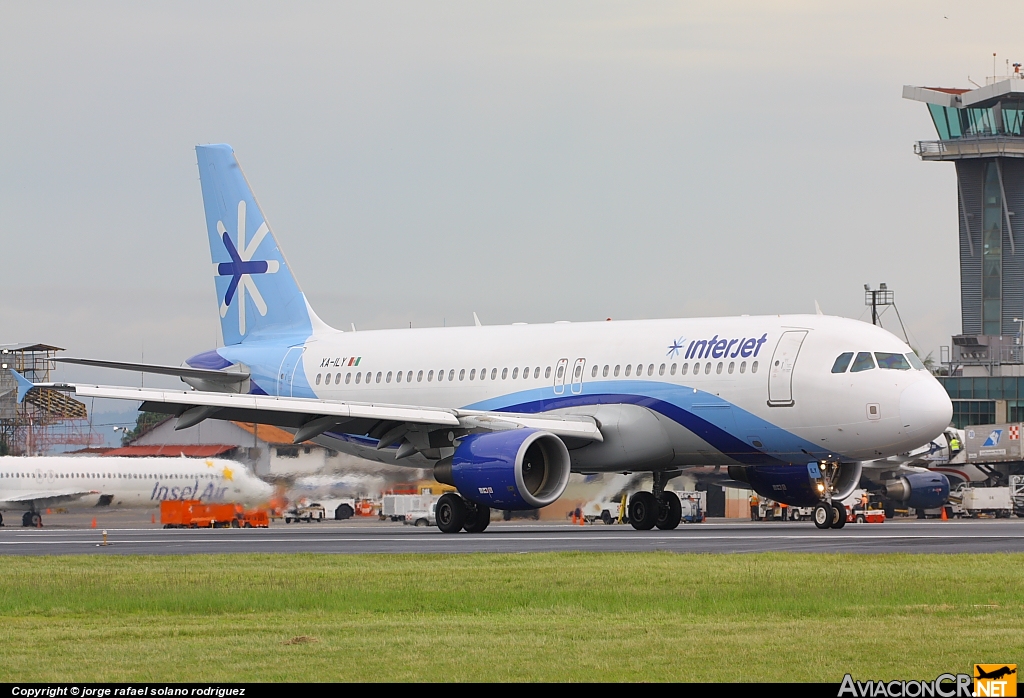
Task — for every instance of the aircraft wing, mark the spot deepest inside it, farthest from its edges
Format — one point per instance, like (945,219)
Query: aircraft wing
(390,424)
(46,497)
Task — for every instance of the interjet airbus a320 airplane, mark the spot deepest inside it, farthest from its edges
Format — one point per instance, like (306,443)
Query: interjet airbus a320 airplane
(790,404)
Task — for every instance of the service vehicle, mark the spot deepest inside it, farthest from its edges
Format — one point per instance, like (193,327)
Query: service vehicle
(396,506)
(992,501)
(421,517)
(308,513)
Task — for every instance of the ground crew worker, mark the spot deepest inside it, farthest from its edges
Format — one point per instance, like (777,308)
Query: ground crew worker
(754,513)
(954,445)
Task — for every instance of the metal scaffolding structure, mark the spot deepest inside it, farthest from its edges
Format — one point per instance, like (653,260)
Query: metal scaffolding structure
(47,419)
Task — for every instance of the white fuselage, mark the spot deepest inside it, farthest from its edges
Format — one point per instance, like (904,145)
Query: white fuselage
(666,393)
(74,482)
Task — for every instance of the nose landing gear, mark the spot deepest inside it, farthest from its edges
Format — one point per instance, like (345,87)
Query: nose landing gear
(829,514)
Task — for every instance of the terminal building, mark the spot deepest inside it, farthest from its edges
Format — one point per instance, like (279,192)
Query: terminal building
(981,131)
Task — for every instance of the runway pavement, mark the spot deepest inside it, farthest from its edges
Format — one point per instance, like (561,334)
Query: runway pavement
(130,534)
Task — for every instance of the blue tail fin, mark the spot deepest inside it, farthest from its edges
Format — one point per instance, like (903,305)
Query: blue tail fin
(257,294)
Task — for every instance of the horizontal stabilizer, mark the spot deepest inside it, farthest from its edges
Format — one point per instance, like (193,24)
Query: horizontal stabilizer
(205,374)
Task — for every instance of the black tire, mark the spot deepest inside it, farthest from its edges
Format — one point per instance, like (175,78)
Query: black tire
(26,519)
(477,519)
(606,516)
(37,520)
(838,515)
(247,525)
(823,515)
(860,518)
(450,513)
(643,511)
(420,523)
(344,511)
(670,511)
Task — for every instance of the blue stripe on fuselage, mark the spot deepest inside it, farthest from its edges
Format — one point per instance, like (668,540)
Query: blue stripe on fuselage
(677,403)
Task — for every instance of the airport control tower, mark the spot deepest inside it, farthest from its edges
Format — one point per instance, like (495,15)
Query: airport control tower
(981,131)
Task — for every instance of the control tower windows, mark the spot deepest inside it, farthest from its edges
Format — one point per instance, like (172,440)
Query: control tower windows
(992,254)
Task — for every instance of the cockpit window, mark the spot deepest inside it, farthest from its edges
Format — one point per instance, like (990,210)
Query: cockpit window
(863,362)
(916,362)
(896,362)
(842,362)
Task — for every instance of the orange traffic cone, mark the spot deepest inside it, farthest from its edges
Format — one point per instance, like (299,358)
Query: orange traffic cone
(94,522)
(48,512)
(583,520)
(944,516)
(152,518)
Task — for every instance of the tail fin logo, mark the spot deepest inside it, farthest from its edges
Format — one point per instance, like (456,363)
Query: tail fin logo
(242,268)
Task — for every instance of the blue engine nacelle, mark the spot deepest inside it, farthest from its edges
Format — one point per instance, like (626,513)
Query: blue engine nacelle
(795,485)
(514,469)
(927,490)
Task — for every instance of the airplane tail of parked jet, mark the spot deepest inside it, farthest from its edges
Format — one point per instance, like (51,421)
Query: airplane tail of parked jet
(243,249)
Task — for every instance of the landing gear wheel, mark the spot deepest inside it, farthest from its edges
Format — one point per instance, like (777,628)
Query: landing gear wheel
(643,511)
(1,519)
(26,519)
(477,519)
(823,515)
(838,515)
(670,513)
(450,513)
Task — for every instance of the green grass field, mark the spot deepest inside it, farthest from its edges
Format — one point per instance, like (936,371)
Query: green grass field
(577,617)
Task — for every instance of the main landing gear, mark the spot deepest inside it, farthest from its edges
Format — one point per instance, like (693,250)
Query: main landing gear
(659,508)
(453,514)
(828,515)
(32,519)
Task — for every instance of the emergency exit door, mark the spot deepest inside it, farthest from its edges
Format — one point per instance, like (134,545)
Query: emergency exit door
(780,373)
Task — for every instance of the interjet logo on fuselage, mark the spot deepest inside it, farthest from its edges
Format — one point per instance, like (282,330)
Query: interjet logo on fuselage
(716,348)
(242,267)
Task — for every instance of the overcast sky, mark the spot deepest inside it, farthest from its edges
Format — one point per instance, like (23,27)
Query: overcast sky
(531,162)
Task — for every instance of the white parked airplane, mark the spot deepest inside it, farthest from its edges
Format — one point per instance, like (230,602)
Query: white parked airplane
(36,483)
(791,404)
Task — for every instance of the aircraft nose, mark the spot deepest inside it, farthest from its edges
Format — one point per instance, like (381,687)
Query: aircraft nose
(925,408)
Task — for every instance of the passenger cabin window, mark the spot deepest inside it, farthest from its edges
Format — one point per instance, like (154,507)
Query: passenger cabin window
(472,374)
(462,374)
(547,372)
(896,362)
(616,371)
(536,372)
(863,362)
(842,362)
(593,371)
